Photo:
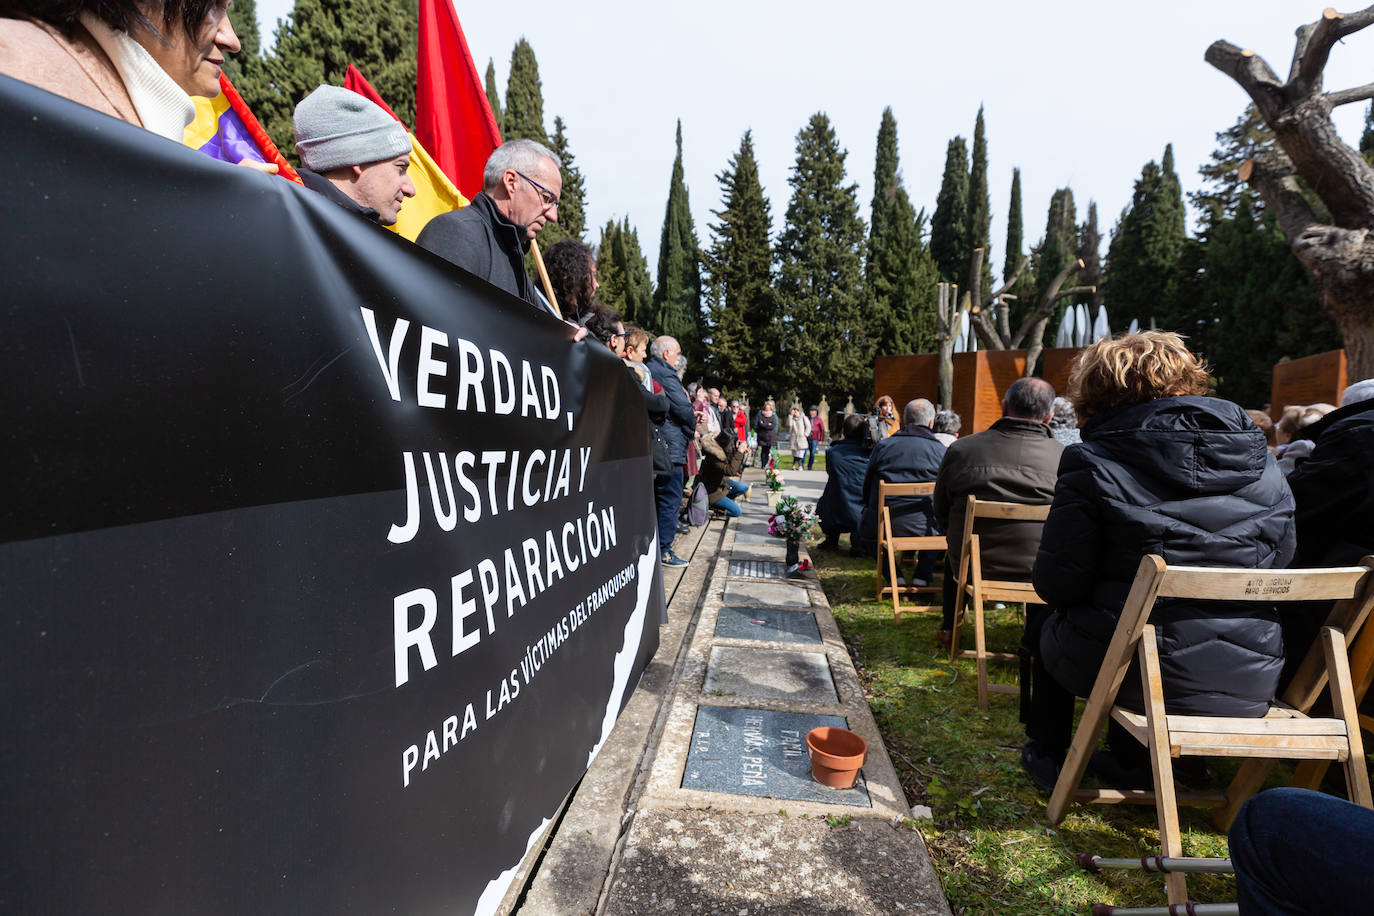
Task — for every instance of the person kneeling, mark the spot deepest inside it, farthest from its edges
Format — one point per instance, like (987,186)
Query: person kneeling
(714,475)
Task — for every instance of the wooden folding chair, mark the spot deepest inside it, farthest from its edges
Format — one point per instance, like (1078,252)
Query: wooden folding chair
(1285,732)
(889,546)
(974,590)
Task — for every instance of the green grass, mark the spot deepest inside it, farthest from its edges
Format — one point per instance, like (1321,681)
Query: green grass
(991,842)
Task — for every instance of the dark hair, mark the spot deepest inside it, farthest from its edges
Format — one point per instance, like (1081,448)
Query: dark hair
(600,322)
(854,426)
(569,263)
(119,15)
(1029,398)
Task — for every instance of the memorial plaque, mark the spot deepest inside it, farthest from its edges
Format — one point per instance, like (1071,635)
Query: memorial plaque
(758,536)
(768,594)
(778,674)
(774,551)
(767,624)
(757,569)
(761,753)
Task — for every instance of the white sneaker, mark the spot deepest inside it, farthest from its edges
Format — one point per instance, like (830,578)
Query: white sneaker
(919,583)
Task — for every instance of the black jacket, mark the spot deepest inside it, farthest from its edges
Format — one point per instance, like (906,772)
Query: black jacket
(321,185)
(910,455)
(1334,489)
(681,426)
(842,501)
(1190,479)
(479,239)
(767,429)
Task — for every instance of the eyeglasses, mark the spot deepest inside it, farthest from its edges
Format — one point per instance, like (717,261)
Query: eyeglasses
(544,193)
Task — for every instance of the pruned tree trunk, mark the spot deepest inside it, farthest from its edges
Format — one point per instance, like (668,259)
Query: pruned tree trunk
(1339,253)
(1033,328)
(993,330)
(944,321)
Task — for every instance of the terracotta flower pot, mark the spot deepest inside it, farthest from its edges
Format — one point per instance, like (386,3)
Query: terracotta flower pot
(836,756)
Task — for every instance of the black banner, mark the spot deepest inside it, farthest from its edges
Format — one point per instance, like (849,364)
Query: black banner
(325,568)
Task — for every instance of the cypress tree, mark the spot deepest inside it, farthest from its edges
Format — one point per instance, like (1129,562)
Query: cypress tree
(677,297)
(1256,305)
(1222,190)
(899,272)
(639,290)
(743,324)
(1367,138)
(317,43)
(1057,248)
(1143,259)
(572,206)
(1060,244)
(826,347)
(524,112)
(610,274)
(494,98)
(1024,290)
(1089,249)
(1015,228)
(949,225)
(980,205)
(242,68)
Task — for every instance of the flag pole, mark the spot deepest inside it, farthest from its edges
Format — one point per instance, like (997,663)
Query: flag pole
(544,275)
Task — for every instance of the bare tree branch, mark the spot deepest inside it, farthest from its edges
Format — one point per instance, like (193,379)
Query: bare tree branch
(984,323)
(1273,177)
(1046,306)
(1301,117)
(1340,255)
(1310,57)
(1251,72)
(1346,96)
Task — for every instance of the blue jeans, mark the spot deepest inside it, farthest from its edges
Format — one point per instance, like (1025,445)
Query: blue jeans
(668,491)
(1298,853)
(811,453)
(727,502)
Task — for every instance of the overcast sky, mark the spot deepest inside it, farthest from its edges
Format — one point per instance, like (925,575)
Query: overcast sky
(1075,94)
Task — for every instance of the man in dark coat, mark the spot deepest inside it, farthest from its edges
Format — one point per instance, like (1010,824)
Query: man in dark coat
(1333,491)
(1015,461)
(679,430)
(842,502)
(521,185)
(911,455)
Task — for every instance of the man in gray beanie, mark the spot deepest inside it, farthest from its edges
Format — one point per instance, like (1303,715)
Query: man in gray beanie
(521,185)
(354,153)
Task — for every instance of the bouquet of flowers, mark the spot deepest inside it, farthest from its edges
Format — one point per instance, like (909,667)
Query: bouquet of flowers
(793,519)
(774,479)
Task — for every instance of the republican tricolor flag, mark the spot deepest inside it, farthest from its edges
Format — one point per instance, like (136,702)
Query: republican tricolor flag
(225,129)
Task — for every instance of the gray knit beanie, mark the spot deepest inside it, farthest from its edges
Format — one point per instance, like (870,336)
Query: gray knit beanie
(336,127)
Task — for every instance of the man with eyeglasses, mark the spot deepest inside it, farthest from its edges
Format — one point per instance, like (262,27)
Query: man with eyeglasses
(489,237)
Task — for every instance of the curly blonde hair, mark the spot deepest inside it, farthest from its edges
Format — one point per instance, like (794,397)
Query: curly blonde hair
(1133,369)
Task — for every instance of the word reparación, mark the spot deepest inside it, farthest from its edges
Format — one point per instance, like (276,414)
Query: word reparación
(521,576)
(450,732)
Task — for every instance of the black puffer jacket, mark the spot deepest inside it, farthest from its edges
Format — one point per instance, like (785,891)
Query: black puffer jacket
(1190,479)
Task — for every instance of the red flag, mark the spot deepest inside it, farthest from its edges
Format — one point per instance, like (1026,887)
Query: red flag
(265,145)
(434,192)
(453,119)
